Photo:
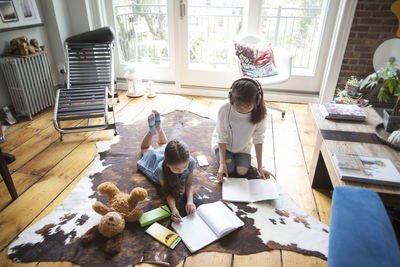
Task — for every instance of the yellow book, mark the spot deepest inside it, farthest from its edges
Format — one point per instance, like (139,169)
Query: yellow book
(164,235)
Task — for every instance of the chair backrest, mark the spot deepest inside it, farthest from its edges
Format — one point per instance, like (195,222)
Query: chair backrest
(90,65)
(251,39)
(89,57)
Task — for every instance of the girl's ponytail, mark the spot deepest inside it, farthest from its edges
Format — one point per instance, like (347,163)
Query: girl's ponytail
(175,152)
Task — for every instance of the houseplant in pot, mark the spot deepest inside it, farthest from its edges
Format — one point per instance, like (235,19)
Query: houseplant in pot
(352,86)
(387,81)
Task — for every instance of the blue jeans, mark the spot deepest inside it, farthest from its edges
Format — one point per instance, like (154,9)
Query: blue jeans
(237,159)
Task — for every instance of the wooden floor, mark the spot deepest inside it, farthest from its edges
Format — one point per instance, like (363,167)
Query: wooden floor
(47,169)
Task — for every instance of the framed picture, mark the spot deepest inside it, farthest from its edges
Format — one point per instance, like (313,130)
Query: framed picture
(18,13)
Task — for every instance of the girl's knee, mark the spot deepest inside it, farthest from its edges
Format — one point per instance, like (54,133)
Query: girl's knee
(241,170)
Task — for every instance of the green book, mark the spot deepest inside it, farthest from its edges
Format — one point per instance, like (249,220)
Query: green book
(154,215)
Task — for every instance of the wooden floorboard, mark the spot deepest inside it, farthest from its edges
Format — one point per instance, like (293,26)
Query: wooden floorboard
(47,170)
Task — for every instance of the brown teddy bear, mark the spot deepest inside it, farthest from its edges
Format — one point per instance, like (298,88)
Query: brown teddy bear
(121,207)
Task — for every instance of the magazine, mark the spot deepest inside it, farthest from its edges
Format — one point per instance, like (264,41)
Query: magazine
(342,112)
(366,169)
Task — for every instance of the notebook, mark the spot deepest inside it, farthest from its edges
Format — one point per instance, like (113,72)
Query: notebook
(154,215)
(342,112)
(244,190)
(210,222)
(164,235)
(366,169)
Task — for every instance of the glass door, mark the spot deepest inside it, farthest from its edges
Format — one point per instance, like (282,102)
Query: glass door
(191,42)
(208,30)
(144,37)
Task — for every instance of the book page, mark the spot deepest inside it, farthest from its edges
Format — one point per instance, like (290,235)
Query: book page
(194,232)
(236,189)
(219,218)
(262,189)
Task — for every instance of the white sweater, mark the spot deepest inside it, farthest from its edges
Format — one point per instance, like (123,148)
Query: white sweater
(236,131)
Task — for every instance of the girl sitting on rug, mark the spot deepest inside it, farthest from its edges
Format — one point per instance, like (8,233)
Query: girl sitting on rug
(240,122)
(169,165)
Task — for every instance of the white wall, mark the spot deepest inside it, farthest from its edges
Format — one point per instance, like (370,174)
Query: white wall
(38,33)
(78,15)
(61,18)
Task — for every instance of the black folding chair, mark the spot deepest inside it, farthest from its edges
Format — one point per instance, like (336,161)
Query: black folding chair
(90,83)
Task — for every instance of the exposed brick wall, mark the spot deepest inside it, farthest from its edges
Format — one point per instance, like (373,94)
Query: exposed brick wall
(373,24)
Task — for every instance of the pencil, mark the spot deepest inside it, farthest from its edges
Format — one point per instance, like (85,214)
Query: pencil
(169,212)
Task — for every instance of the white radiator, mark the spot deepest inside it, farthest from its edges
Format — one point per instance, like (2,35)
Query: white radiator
(29,82)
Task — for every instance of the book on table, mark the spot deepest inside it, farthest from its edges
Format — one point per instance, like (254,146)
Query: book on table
(210,222)
(245,190)
(154,215)
(163,235)
(366,169)
(342,112)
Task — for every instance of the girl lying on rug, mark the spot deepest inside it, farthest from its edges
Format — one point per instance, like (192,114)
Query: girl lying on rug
(169,165)
(240,121)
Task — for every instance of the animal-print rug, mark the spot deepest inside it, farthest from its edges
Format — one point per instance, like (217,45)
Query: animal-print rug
(274,224)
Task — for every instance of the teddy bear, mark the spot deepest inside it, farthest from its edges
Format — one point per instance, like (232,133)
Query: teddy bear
(121,207)
(20,46)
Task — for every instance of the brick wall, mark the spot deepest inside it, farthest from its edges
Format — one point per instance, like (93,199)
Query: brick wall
(373,23)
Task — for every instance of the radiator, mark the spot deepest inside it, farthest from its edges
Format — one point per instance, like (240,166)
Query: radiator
(29,82)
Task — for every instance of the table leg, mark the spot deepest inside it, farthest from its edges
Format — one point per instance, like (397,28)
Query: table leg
(318,173)
(7,177)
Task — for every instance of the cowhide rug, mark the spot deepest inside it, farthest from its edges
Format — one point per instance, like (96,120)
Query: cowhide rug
(278,224)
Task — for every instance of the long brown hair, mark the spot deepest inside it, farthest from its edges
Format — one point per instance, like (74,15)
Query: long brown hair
(175,152)
(249,91)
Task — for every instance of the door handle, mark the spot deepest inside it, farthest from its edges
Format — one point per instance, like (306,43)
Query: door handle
(182,9)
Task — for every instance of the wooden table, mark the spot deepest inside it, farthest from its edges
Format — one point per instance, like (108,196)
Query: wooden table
(349,137)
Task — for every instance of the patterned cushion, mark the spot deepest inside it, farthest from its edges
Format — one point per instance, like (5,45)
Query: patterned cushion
(259,71)
(256,59)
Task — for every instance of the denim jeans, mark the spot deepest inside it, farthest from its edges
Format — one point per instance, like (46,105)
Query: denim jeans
(237,159)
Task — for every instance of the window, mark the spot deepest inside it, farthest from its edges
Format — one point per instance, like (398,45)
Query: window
(294,25)
(142,31)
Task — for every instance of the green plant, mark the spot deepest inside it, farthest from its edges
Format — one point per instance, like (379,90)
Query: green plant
(354,81)
(343,95)
(388,78)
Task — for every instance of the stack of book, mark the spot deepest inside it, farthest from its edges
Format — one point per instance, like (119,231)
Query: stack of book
(342,112)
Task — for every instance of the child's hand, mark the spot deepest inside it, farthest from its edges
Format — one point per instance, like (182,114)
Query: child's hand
(221,171)
(265,174)
(190,208)
(176,217)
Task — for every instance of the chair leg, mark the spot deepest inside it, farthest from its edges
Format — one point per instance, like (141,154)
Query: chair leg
(276,108)
(115,124)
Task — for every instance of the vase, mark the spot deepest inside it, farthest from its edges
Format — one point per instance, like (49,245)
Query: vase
(390,123)
(352,90)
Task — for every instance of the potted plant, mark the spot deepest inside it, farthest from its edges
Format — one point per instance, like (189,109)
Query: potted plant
(387,80)
(352,85)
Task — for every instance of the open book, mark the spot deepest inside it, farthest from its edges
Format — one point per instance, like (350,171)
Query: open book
(210,222)
(367,169)
(244,190)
